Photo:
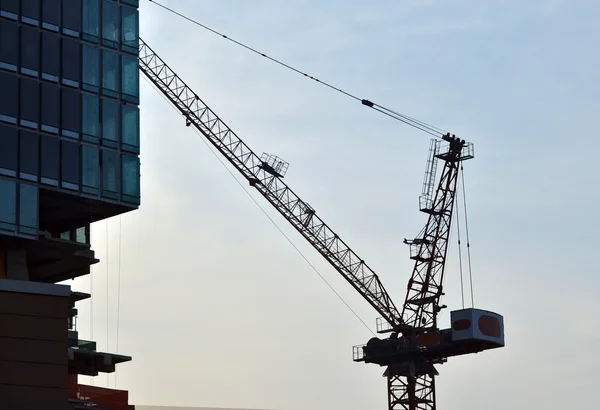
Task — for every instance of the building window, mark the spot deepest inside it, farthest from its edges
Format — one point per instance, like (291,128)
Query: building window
(8,205)
(110,173)
(90,167)
(71,17)
(71,60)
(81,235)
(29,103)
(90,117)
(131,178)
(130,134)
(50,160)
(110,23)
(71,113)
(9,9)
(110,119)
(30,10)
(28,209)
(29,155)
(90,63)
(9,84)
(50,56)
(130,77)
(8,151)
(51,14)
(130,29)
(135,3)
(91,20)
(9,45)
(110,68)
(70,165)
(30,51)
(50,107)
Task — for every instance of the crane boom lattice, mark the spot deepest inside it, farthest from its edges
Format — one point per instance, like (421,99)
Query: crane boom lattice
(261,174)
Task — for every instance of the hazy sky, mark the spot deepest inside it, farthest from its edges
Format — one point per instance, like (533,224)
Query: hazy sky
(218,310)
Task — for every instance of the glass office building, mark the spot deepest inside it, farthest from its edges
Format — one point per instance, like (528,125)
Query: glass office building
(69,117)
(69,156)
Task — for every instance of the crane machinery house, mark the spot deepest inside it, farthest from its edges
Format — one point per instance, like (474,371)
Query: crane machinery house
(69,156)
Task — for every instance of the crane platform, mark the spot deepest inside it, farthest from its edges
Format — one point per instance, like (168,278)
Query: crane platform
(472,331)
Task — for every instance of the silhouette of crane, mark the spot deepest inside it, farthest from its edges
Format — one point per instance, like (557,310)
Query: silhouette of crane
(415,344)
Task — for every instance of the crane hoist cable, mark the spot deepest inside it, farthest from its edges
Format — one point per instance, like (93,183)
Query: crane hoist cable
(413,122)
(462,177)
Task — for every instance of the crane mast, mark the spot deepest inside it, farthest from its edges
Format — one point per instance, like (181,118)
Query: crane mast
(414,387)
(416,343)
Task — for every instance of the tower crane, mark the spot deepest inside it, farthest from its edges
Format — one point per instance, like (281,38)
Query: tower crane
(415,344)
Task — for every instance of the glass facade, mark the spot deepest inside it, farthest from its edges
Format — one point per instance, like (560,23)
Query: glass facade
(90,67)
(90,118)
(90,20)
(69,116)
(110,120)
(110,70)
(18,208)
(8,205)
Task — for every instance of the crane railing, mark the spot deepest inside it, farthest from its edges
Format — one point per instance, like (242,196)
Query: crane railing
(260,175)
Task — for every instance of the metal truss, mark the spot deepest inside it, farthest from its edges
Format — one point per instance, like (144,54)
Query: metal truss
(429,252)
(417,393)
(270,185)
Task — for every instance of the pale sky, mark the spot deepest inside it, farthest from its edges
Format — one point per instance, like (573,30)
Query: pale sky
(219,310)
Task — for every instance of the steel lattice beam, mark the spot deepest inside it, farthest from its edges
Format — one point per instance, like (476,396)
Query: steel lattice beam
(411,394)
(295,210)
(425,285)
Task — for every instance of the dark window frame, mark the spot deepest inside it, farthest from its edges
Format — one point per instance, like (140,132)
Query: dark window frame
(51,56)
(130,178)
(9,150)
(87,25)
(70,160)
(91,70)
(9,50)
(8,205)
(30,51)
(110,162)
(28,204)
(71,62)
(51,14)
(29,155)
(49,160)
(9,111)
(130,66)
(90,169)
(29,102)
(128,143)
(131,46)
(31,15)
(71,23)
(70,113)
(50,108)
(110,35)
(110,116)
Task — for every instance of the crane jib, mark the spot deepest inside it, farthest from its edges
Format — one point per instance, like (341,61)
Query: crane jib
(300,215)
